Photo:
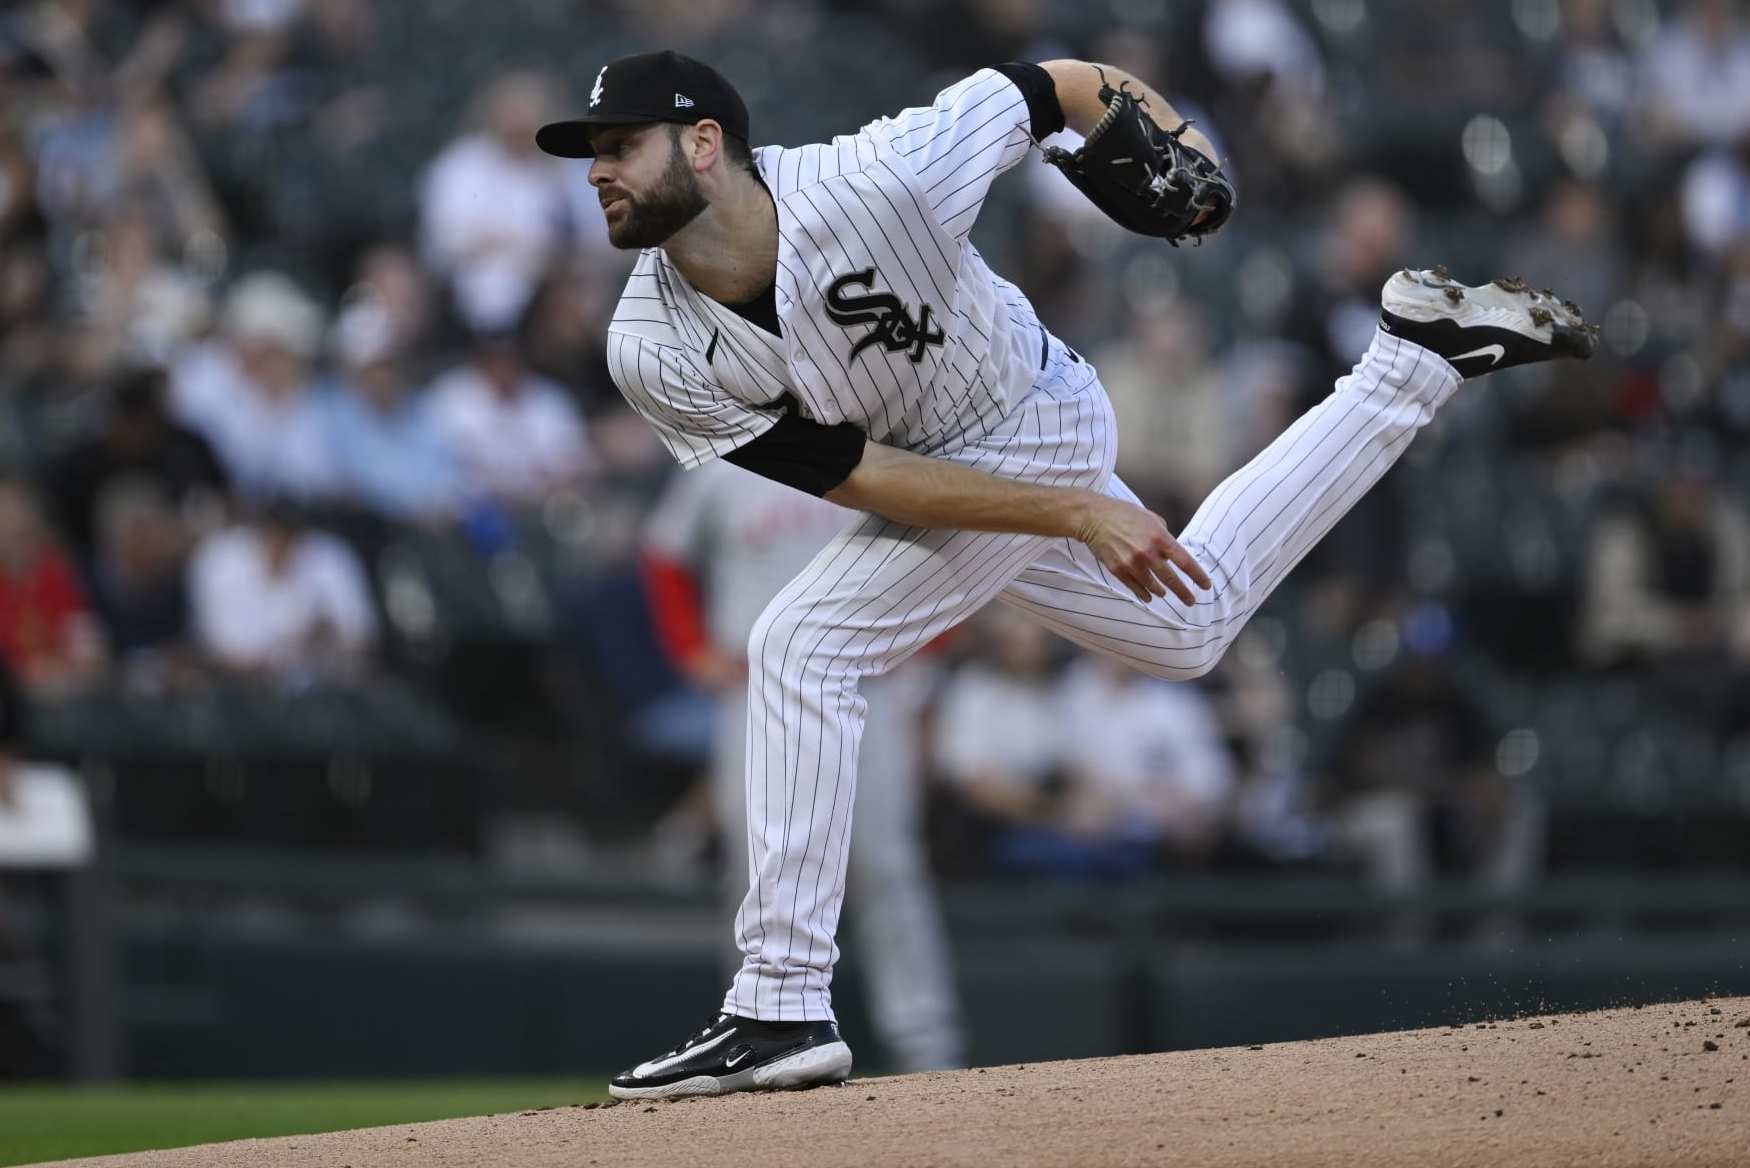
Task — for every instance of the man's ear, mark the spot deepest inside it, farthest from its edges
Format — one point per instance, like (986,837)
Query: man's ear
(705,143)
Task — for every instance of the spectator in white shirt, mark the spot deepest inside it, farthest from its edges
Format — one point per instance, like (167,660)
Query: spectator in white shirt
(249,393)
(495,211)
(272,597)
(516,436)
(1092,770)
(1146,760)
(45,819)
(998,738)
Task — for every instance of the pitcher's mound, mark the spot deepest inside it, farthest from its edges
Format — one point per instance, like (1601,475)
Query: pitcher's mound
(1665,1084)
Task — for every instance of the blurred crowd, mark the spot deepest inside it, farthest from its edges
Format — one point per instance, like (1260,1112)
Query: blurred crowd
(288,299)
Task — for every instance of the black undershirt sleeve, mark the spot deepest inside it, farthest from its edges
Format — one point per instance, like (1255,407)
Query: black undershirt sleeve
(1036,85)
(803,454)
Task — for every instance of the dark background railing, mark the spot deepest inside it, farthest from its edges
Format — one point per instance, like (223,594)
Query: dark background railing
(261,964)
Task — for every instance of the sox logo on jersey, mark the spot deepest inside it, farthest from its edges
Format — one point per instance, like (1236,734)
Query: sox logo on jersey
(894,330)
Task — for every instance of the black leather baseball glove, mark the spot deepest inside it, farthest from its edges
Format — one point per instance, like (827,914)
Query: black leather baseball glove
(1144,177)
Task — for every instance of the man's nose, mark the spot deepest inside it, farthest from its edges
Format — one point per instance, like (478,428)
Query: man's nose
(599,174)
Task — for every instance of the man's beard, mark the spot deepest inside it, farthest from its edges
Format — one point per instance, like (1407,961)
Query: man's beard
(652,218)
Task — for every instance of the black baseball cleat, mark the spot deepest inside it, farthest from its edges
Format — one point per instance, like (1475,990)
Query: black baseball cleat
(741,1054)
(1482,329)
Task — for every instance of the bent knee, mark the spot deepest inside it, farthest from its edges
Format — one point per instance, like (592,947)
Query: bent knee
(1185,663)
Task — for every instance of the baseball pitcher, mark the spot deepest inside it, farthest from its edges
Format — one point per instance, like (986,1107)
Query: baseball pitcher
(818,315)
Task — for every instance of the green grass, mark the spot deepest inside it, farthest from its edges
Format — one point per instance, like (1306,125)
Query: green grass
(53,1123)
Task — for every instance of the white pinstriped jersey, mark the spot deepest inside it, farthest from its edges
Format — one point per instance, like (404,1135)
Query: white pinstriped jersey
(891,319)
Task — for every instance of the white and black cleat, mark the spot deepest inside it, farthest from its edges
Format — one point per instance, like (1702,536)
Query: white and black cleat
(741,1054)
(1482,329)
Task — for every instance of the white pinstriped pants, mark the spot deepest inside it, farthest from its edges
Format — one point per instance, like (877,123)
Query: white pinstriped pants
(902,949)
(881,591)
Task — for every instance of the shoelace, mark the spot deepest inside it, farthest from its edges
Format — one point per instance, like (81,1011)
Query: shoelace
(697,1038)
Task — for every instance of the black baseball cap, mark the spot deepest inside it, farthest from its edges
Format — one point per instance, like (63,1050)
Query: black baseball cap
(649,87)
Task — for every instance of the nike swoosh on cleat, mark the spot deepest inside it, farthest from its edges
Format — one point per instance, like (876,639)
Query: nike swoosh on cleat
(1497,352)
(658,1066)
(736,1059)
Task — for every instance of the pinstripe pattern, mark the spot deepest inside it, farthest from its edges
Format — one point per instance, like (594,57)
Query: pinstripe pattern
(747,536)
(867,601)
(899,197)
(1253,528)
(879,592)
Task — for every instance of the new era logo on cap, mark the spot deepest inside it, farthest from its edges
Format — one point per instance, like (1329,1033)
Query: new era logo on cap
(682,101)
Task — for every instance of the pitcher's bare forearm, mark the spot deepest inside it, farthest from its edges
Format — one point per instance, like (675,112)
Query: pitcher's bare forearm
(1078,92)
(930,492)
(1133,543)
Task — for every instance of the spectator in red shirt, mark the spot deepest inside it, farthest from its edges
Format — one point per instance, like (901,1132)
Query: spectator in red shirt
(48,636)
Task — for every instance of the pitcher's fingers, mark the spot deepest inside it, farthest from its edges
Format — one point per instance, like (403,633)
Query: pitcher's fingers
(1170,578)
(1190,566)
(1117,572)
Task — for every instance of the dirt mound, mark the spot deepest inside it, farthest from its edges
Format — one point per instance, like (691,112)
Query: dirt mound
(1661,1085)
